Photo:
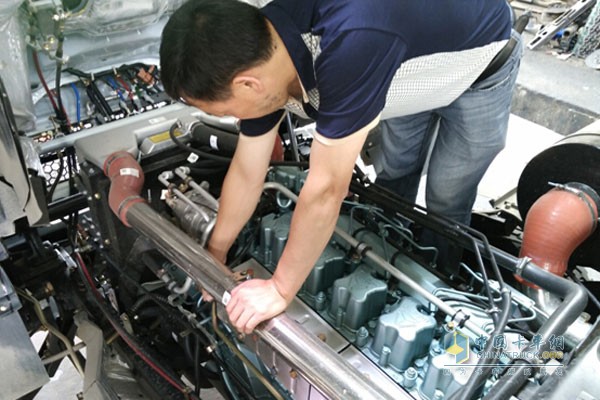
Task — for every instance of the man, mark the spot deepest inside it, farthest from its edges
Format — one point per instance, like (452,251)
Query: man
(347,64)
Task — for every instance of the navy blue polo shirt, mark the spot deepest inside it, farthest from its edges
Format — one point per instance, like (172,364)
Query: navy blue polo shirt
(359,59)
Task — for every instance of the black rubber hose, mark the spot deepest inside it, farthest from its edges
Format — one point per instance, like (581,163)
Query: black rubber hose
(217,139)
(575,301)
(144,299)
(200,153)
(477,380)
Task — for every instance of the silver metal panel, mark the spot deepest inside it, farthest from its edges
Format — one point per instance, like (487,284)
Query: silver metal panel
(20,367)
(371,371)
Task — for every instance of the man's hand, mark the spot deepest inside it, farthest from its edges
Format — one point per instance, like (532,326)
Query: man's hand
(253,302)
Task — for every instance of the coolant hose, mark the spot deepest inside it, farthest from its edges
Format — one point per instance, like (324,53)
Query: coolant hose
(127,180)
(557,223)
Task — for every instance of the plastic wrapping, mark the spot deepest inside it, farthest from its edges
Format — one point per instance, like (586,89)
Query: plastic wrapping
(102,17)
(14,63)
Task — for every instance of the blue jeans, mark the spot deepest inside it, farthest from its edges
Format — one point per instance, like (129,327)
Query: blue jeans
(472,131)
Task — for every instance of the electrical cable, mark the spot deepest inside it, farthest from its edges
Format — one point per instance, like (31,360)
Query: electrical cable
(61,168)
(127,338)
(126,87)
(95,97)
(77,101)
(111,82)
(59,110)
(38,70)
(197,365)
(263,379)
(59,54)
(156,298)
(101,99)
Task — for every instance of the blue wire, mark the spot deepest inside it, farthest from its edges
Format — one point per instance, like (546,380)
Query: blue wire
(78,101)
(113,84)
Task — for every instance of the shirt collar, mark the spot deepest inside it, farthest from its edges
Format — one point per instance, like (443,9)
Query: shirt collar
(291,36)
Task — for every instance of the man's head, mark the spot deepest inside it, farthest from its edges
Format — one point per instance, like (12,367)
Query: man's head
(208,46)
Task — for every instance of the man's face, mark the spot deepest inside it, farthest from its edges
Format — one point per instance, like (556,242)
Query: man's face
(245,102)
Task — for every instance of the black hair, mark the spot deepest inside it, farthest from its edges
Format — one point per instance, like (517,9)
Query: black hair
(206,43)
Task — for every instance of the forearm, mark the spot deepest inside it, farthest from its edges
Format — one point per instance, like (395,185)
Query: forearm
(241,190)
(237,203)
(313,223)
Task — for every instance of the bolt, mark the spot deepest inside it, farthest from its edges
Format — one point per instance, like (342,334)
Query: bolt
(322,337)
(384,359)
(3,308)
(320,299)
(107,242)
(293,374)
(438,395)
(339,317)
(362,336)
(410,378)
(97,196)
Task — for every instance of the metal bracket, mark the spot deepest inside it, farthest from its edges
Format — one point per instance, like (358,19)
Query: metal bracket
(460,317)
(548,31)
(9,301)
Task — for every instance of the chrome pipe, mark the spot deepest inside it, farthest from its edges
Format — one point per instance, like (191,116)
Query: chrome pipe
(317,362)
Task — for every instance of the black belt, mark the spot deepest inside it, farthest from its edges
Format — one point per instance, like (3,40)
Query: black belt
(498,61)
(500,58)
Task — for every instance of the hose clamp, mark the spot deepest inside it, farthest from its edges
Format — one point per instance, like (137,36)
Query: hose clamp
(582,195)
(521,264)
(460,318)
(362,248)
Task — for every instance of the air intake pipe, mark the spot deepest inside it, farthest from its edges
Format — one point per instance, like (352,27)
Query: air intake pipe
(317,362)
(557,223)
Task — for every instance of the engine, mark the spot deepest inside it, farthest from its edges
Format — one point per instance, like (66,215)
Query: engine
(109,195)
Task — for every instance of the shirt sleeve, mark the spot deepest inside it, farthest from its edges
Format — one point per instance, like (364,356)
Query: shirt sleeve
(354,73)
(262,125)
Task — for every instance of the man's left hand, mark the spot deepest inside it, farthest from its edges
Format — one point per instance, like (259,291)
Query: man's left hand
(253,302)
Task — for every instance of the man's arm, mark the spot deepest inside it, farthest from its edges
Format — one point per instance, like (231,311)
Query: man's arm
(313,222)
(241,190)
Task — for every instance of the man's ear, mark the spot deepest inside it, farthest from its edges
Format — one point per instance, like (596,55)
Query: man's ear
(246,84)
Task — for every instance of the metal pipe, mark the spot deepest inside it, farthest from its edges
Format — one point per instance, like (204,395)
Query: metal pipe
(441,304)
(164,179)
(182,250)
(52,330)
(183,172)
(574,303)
(321,366)
(185,287)
(62,354)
